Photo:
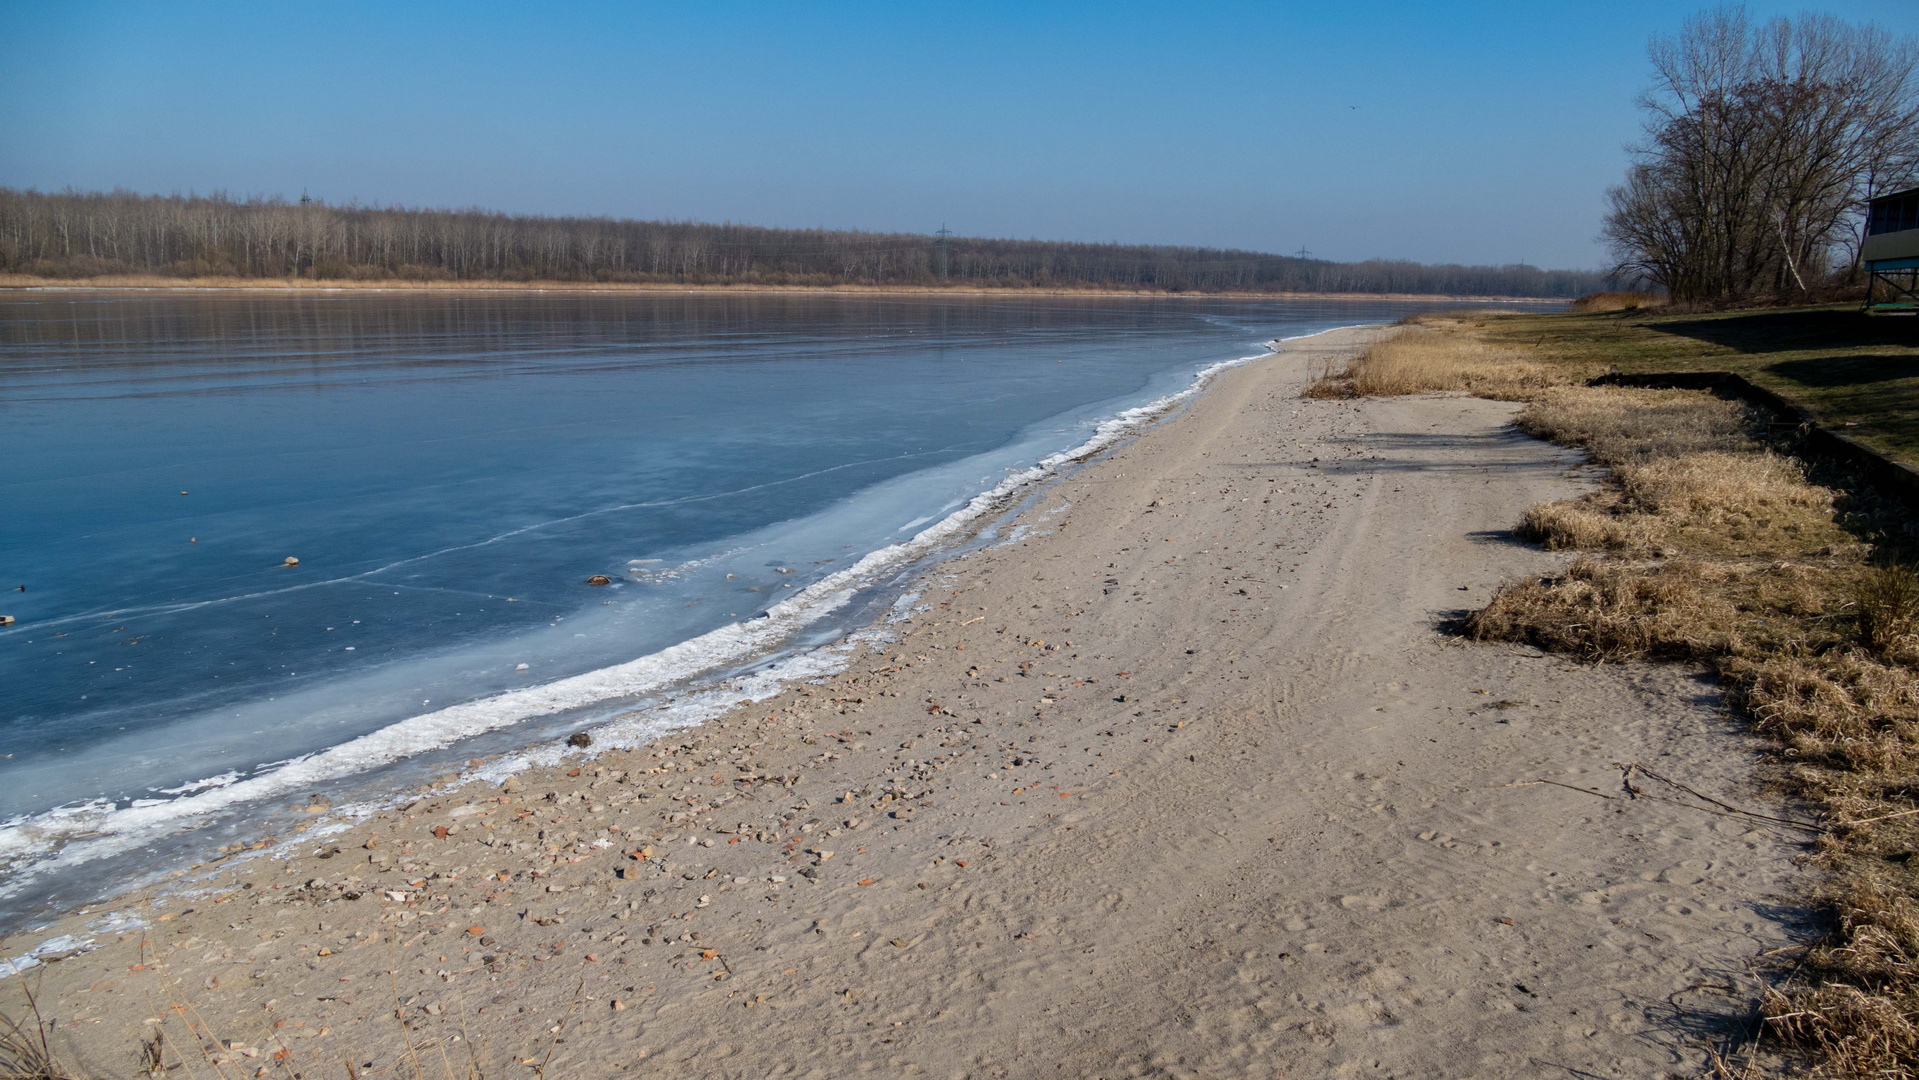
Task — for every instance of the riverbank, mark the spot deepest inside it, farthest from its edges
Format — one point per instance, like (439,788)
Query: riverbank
(304,285)
(1181,779)
(1849,371)
(1737,531)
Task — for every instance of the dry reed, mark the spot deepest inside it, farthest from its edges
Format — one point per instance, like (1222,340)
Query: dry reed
(1421,358)
(27,1051)
(1599,302)
(1618,426)
(1888,604)
(1604,611)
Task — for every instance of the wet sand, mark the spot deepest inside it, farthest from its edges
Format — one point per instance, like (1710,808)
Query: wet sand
(1186,781)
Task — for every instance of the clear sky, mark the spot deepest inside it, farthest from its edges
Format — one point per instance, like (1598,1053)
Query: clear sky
(1473,132)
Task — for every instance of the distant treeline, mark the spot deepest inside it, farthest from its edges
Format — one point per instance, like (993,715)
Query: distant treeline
(89,234)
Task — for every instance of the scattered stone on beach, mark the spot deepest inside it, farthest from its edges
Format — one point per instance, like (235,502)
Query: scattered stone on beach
(291,561)
(599,579)
(580,739)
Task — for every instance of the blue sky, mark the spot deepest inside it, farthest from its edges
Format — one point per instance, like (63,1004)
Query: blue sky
(1480,132)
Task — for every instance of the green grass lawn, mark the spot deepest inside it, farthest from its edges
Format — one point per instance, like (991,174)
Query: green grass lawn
(1855,374)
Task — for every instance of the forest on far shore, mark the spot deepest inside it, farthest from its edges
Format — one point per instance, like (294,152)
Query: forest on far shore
(92,234)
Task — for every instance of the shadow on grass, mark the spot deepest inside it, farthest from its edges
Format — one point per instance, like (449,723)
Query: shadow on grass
(1852,370)
(1829,372)
(1793,331)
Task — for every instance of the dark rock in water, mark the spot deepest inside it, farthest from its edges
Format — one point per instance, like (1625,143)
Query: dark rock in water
(599,579)
(579,738)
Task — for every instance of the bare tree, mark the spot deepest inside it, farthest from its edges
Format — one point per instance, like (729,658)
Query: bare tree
(1762,143)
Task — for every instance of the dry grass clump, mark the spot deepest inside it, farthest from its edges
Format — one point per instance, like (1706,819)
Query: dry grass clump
(1887,601)
(1859,1011)
(1845,710)
(1423,359)
(1588,524)
(1606,611)
(1592,303)
(1683,462)
(1618,425)
(1856,1033)
(1716,488)
(1758,504)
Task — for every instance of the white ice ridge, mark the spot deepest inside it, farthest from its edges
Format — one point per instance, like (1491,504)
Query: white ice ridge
(63,946)
(99,829)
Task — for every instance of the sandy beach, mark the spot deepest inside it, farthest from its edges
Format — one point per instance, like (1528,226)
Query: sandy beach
(1184,780)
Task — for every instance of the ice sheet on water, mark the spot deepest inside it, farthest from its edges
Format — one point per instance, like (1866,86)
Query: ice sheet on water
(75,835)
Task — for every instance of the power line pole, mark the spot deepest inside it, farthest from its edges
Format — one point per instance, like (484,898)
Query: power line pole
(943,233)
(1303,253)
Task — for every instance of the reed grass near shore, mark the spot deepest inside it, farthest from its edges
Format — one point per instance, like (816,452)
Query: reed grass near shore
(1711,542)
(1687,473)
(1427,356)
(1617,301)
